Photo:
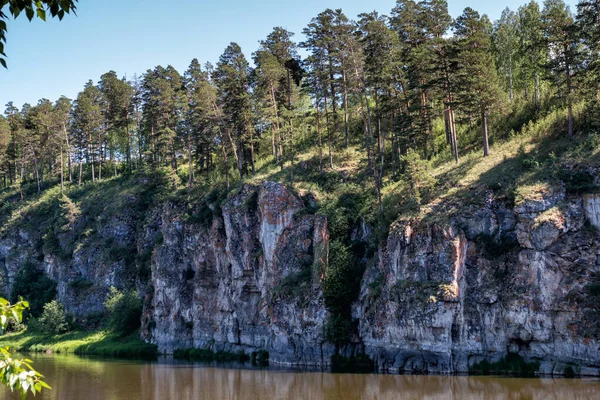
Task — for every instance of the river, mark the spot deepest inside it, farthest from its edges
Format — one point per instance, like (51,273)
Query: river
(82,378)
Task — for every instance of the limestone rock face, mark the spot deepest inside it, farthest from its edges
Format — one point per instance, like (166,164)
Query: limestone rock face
(441,299)
(435,297)
(591,205)
(214,285)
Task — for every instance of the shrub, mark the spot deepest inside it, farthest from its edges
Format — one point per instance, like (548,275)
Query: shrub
(54,319)
(577,182)
(340,289)
(296,285)
(416,173)
(124,310)
(338,329)
(512,364)
(80,284)
(33,284)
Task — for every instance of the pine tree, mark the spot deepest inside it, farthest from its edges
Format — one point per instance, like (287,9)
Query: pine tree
(560,34)
(201,117)
(232,80)
(379,47)
(15,123)
(164,106)
(477,77)
(321,43)
(61,126)
(588,29)
(117,96)
(5,138)
(436,22)
(408,19)
(87,127)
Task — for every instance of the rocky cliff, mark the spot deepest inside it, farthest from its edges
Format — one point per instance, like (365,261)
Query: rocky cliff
(489,282)
(213,286)
(439,296)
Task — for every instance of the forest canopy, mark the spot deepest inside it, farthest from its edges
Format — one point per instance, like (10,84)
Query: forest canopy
(384,83)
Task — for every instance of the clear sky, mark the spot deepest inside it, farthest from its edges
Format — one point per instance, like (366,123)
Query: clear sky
(47,60)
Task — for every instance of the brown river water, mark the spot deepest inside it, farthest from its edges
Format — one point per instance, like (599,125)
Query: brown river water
(80,378)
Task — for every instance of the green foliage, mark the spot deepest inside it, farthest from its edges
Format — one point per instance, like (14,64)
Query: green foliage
(336,289)
(80,284)
(418,177)
(341,287)
(338,329)
(32,283)
(39,8)
(100,343)
(577,182)
(375,286)
(17,375)
(512,364)
(296,286)
(593,289)
(124,309)
(54,319)
(343,213)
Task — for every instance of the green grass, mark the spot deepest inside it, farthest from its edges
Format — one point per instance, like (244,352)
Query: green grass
(101,343)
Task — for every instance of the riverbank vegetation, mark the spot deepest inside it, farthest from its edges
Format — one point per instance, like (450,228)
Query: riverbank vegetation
(100,343)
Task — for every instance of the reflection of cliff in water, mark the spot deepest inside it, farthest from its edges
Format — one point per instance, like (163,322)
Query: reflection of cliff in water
(73,377)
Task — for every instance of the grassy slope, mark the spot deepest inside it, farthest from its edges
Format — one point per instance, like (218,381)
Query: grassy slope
(90,343)
(522,155)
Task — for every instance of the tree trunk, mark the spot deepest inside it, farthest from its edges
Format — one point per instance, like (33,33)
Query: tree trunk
(139,133)
(80,168)
(447,124)
(378,113)
(224,157)
(37,175)
(484,131)
(453,135)
(252,151)
(190,168)
(332,86)
(68,154)
(510,77)
(101,154)
(275,127)
(537,90)
(345,108)
(425,122)
(380,180)
(319,130)
(93,162)
(62,181)
(328,131)
(569,91)
(291,152)
(128,142)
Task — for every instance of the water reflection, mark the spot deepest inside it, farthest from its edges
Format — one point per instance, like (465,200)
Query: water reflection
(74,377)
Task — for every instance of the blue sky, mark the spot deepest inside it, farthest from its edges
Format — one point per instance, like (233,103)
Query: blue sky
(47,60)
